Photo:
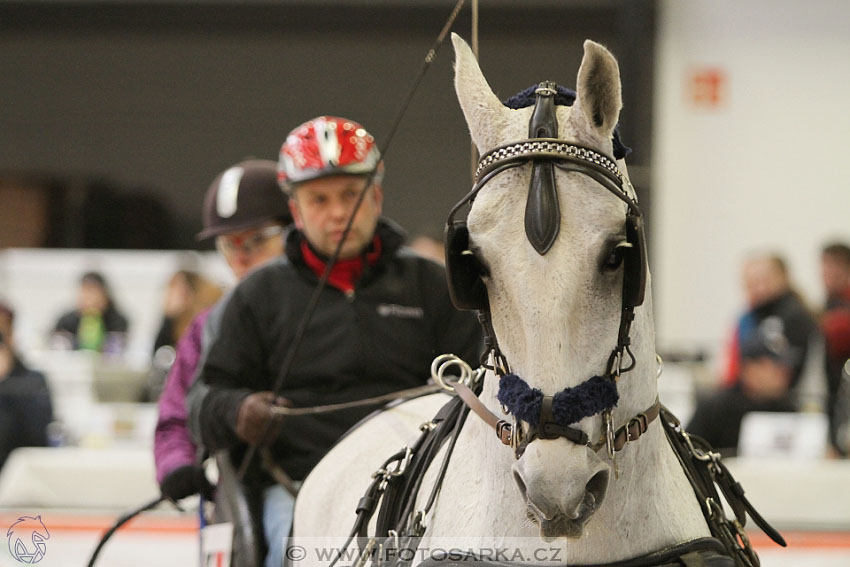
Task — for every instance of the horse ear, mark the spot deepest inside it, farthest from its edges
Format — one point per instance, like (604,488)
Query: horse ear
(485,114)
(599,91)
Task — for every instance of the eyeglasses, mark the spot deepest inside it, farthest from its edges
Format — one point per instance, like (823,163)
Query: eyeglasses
(248,244)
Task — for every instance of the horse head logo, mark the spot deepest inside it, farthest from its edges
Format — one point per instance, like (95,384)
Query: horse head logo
(27,539)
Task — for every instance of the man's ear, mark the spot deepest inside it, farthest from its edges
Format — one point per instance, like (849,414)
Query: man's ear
(296,212)
(378,196)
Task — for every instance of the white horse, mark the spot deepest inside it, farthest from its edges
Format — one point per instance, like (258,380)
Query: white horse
(556,316)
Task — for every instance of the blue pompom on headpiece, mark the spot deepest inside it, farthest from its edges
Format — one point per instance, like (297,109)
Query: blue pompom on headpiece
(564,97)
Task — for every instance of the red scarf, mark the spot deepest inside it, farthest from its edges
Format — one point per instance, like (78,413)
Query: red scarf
(344,273)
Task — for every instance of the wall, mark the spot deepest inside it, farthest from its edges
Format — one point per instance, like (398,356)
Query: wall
(163,95)
(764,169)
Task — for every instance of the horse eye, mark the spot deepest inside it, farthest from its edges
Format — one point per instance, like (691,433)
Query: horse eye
(615,258)
(477,263)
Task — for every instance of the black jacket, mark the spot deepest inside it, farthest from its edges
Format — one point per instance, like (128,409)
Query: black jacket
(25,410)
(380,339)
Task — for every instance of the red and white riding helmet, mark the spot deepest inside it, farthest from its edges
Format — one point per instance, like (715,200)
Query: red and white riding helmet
(326,146)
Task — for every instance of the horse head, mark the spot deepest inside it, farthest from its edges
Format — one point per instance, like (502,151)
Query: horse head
(553,244)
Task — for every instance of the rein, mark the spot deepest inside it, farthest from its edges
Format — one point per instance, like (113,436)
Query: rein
(400,395)
(705,471)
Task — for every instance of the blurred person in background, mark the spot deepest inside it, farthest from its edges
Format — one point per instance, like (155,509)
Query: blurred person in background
(835,326)
(187,294)
(96,323)
(773,303)
(246,212)
(429,244)
(767,362)
(766,357)
(25,408)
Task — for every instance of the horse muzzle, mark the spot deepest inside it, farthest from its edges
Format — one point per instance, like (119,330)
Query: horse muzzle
(562,485)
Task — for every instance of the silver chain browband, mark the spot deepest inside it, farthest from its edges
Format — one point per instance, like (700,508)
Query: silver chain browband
(552,148)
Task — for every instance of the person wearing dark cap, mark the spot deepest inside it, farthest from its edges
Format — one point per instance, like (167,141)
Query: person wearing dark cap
(247,213)
(767,363)
(384,316)
(25,408)
(96,323)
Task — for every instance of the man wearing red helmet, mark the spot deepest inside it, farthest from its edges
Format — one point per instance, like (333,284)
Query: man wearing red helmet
(383,318)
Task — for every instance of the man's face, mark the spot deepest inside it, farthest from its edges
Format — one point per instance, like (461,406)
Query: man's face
(245,250)
(321,209)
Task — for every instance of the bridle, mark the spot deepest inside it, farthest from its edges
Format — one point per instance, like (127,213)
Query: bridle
(550,417)
(395,487)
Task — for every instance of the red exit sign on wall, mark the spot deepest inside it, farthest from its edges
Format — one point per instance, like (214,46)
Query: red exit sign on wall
(707,87)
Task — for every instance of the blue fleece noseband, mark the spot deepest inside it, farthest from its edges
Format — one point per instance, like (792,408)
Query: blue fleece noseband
(569,406)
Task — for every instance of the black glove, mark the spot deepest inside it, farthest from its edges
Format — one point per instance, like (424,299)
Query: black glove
(185,481)
(255,422)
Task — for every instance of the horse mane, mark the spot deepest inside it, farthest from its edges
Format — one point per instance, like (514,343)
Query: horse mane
(564,97)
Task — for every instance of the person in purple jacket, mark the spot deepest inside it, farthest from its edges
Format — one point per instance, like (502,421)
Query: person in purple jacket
(246,211)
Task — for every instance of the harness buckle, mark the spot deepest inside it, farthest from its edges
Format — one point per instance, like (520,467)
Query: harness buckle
(698,454)
(401,464)
(419,522)
(394,534)
(642,425)
(609,441)
(516,433)
(503,426)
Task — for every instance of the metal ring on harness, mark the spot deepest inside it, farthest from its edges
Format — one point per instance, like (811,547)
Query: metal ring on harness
(446,361)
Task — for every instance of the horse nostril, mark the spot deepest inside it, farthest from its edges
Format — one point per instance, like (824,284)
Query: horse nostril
(597,486)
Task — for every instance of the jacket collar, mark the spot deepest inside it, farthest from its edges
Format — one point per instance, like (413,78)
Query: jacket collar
(389,237)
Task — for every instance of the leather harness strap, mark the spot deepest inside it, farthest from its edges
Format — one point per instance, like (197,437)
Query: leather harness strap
(636,426)
(705,472)
(503,429)
(700,552)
